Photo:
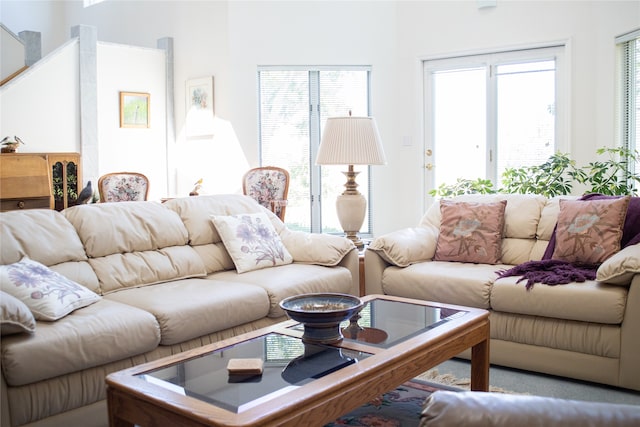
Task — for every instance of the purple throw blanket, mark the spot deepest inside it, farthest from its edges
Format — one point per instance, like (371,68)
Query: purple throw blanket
(550,272)
(555,272)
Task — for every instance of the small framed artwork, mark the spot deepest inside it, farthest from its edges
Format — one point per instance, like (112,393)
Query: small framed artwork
(200,112)
(134,110)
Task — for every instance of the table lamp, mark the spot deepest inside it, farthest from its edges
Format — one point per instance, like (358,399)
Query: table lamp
(351,141)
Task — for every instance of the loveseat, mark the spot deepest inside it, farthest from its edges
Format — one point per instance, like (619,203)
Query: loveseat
(586,330)
(148,280)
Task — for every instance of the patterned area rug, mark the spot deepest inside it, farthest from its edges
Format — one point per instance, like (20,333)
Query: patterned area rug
(402,407)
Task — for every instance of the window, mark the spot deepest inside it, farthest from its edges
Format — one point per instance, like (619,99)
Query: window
(628,89)
(489,112)
(293,107)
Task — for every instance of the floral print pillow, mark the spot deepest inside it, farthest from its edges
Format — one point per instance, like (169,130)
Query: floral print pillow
(470,232)
(15,317)
(590,231)
(49,295)
(251,241)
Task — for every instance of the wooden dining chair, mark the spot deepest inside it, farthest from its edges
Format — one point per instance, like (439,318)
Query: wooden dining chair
(269,186)
(123,187)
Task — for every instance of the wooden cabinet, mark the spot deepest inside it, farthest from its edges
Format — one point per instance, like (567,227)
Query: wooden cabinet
(66,178)
(39,180)
(25,182)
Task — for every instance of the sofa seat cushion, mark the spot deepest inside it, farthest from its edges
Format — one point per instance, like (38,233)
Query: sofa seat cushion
(88,337)
(580,337)
(588,301)
(443,281)
(292,279)
(190,308)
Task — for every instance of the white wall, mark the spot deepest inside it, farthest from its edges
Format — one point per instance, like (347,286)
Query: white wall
(230,39)
(42,107)
(11,53)
(132,69)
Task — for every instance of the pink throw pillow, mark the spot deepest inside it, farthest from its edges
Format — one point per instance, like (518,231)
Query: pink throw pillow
(589,232)
(470,232)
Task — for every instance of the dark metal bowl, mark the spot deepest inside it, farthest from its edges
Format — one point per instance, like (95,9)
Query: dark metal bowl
(321,314)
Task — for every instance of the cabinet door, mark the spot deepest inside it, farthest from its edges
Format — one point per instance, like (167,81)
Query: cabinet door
(65,178)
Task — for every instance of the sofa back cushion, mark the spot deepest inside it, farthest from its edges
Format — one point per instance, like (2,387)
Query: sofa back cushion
(196,213)
(521,221)
(134,244)
(47,237)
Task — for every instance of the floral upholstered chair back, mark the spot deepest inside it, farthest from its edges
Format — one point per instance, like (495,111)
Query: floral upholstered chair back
(269,186)
(123,187)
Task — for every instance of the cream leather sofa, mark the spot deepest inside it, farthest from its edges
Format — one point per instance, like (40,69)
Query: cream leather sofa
(167,284)
(477,409)
(587,331)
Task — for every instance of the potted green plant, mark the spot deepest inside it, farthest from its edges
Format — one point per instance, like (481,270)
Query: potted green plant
(557,176)
(612,176)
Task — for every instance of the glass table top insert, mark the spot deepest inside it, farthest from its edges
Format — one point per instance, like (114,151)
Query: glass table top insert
(288,364)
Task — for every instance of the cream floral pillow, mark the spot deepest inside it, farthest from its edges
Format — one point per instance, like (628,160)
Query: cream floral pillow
(49,295)
(251,241)
(15,317)
(590,231)
(470,232)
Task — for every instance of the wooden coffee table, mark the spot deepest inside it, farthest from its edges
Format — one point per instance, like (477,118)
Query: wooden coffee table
(301,383)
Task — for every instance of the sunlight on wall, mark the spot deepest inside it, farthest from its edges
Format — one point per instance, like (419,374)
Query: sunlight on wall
(218,160)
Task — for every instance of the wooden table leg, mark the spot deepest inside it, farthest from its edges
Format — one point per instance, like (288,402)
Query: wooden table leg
(480,366)
(112,404)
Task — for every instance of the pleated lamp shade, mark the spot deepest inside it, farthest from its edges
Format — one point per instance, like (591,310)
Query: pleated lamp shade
(350,141)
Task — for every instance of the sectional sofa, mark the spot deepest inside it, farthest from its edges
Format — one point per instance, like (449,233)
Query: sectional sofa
(587,330)
(135,281)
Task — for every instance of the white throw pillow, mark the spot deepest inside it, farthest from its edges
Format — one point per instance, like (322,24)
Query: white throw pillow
(15,317)
(49,295)
(251,241)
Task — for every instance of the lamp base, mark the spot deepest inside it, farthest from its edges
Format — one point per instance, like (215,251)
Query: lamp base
(351,207)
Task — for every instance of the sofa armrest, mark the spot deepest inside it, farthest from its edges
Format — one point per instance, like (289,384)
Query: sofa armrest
(472,408)
(315,248)
(374,266)
(629,375)
(351,261)
(407,246)
(323,249)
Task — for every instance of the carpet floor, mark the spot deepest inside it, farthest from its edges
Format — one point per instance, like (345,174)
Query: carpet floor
(402,407)
(397,408)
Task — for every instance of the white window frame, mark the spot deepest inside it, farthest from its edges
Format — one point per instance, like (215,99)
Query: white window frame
(315,134)
(560,50)
(627,84)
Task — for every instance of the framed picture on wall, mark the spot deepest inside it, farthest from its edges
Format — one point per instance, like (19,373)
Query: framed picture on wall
(134,110)
(199,108)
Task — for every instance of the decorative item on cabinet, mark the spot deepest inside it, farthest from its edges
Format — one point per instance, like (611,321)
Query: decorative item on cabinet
(10,145)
